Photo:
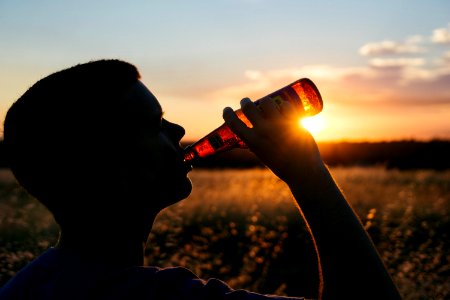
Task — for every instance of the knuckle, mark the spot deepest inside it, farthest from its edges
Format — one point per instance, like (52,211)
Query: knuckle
(246,104)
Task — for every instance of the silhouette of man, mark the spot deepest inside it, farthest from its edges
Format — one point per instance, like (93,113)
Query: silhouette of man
(90,142)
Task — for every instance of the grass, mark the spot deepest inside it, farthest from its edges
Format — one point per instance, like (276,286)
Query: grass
(241,226)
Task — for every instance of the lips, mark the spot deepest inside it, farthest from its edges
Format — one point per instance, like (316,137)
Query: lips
(187,165)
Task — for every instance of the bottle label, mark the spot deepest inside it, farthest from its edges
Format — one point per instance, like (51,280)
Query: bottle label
(277,99)
(286,94)
(216,141)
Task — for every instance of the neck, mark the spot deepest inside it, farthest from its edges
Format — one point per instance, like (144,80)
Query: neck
(112,246)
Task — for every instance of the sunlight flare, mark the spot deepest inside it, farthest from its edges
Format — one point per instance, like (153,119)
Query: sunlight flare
(313,124)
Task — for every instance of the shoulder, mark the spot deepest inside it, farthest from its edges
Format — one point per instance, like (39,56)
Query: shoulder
(39,280)
(180,283)
(36,273)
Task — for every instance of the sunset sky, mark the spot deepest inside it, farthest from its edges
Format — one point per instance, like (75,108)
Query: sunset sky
(383,67)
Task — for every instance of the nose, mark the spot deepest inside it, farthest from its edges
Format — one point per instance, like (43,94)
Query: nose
(174,131)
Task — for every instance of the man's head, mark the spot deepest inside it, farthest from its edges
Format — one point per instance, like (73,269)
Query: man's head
(82,139)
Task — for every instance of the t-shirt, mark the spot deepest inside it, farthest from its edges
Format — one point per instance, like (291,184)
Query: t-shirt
(58,274)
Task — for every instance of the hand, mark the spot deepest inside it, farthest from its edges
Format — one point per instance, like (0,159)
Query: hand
(288,150)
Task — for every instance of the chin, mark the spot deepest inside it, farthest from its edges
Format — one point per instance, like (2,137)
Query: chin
(176,192)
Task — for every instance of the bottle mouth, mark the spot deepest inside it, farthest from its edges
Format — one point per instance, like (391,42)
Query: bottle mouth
(188,155)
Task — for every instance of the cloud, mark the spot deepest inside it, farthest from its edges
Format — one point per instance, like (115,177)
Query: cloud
(402,68)
(411,76)
(322,72)
(396,62)
(414,39)
(400,79)
(387,47)
(446,58)
(403,81)
(441,35)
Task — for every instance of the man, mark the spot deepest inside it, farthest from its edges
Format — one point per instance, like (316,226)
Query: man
(90,142)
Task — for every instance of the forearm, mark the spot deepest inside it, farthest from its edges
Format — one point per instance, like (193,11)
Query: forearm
(351,266)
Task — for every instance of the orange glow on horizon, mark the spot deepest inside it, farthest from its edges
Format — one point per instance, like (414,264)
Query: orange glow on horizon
(365,114)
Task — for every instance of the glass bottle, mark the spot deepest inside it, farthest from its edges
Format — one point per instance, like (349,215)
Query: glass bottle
(301,92)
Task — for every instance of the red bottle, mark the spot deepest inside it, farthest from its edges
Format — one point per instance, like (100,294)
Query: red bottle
(301,92)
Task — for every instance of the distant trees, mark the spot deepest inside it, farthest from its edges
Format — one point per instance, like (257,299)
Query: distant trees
(403,155)
(408,154)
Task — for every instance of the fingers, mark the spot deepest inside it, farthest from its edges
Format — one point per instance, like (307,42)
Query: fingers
(269,108)
(235,124)
(259,116)
(289,111)
(252,112)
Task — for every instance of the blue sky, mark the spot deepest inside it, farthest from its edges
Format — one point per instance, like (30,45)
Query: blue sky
(198,56)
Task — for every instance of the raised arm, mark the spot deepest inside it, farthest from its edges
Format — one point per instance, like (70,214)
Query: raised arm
(351,267)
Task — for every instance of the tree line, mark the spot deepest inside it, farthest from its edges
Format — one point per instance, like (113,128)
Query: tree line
(403,155)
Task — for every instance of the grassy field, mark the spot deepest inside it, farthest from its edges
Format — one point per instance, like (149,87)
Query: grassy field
(242,226)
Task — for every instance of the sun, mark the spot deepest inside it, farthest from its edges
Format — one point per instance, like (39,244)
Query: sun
(313,124)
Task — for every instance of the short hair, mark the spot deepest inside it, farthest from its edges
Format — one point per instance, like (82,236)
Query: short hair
(64,123)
